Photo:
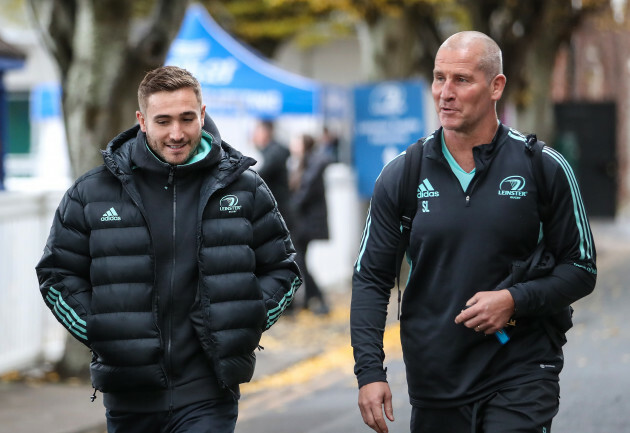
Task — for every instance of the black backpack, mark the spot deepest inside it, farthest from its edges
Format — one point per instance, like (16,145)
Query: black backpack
(407,197)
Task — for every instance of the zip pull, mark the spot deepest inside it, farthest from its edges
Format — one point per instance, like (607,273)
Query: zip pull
(260,347)
(93,397)
(235,395)
(171,173)
(467,200)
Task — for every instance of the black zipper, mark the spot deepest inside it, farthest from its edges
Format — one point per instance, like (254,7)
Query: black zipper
(169,319)
(471,187)
(468,191)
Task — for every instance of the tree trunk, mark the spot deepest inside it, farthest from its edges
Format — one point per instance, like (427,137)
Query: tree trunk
(387,51)
(75,361)
(401,46)
(89,84)
(100,87)
(537,114)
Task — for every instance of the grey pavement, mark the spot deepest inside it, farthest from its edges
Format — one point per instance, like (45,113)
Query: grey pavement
(596,377)
(29,406)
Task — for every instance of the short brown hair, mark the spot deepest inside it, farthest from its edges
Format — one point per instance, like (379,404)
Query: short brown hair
(166,79)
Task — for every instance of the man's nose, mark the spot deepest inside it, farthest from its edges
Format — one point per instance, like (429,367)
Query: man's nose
(176,132)
(447,90)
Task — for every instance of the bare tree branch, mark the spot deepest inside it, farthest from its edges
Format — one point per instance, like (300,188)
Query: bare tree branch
(55,21)
(161,30)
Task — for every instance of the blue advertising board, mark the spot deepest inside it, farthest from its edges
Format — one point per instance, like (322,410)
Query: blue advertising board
(388,116)
(234,80)
(45,101)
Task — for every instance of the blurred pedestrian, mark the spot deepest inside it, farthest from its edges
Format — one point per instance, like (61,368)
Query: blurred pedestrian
(273,167)
(481,214)
(310,212)
(168,262)
(330,144)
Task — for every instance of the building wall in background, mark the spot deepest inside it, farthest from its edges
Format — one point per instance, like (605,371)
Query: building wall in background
(595,68)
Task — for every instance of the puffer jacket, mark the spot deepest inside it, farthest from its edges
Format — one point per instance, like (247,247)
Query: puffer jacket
(97,273)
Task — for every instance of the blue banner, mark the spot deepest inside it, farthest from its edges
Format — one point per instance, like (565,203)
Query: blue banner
(45,101)
(389,116)
(235,80)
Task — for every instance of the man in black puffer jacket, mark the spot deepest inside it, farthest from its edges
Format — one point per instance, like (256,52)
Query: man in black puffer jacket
(168,262)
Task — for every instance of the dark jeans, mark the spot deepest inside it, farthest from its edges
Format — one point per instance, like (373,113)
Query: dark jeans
(215,416)
(527,408)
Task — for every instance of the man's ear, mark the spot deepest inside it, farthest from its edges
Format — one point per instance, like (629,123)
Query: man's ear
(141,121)
(497,86)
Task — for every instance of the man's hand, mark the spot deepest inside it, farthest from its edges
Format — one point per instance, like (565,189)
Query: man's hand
(488,311)
(373,397)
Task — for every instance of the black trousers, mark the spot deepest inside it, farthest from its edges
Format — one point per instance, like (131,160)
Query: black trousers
(527,408)
(311,289)
(215,416)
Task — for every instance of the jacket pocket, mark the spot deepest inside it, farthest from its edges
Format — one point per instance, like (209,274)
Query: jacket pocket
(107,378)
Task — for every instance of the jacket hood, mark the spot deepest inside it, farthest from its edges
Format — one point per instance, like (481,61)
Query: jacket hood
(211,128)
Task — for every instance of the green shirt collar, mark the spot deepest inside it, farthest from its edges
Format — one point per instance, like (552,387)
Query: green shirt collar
(463,176)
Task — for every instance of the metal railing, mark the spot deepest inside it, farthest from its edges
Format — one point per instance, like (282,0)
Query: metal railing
(28,332)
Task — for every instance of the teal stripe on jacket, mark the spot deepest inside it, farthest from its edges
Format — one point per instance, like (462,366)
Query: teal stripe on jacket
(274,314)
(66,315)
(579,211)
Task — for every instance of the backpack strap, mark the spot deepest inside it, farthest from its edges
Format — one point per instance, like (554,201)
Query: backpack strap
(408,203)
(534,148)
(559,323)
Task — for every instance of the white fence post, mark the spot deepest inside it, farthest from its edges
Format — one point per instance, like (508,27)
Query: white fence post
(28,332)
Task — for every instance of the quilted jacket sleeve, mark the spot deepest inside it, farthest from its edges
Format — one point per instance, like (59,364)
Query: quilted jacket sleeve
(276,270)
(63,270)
